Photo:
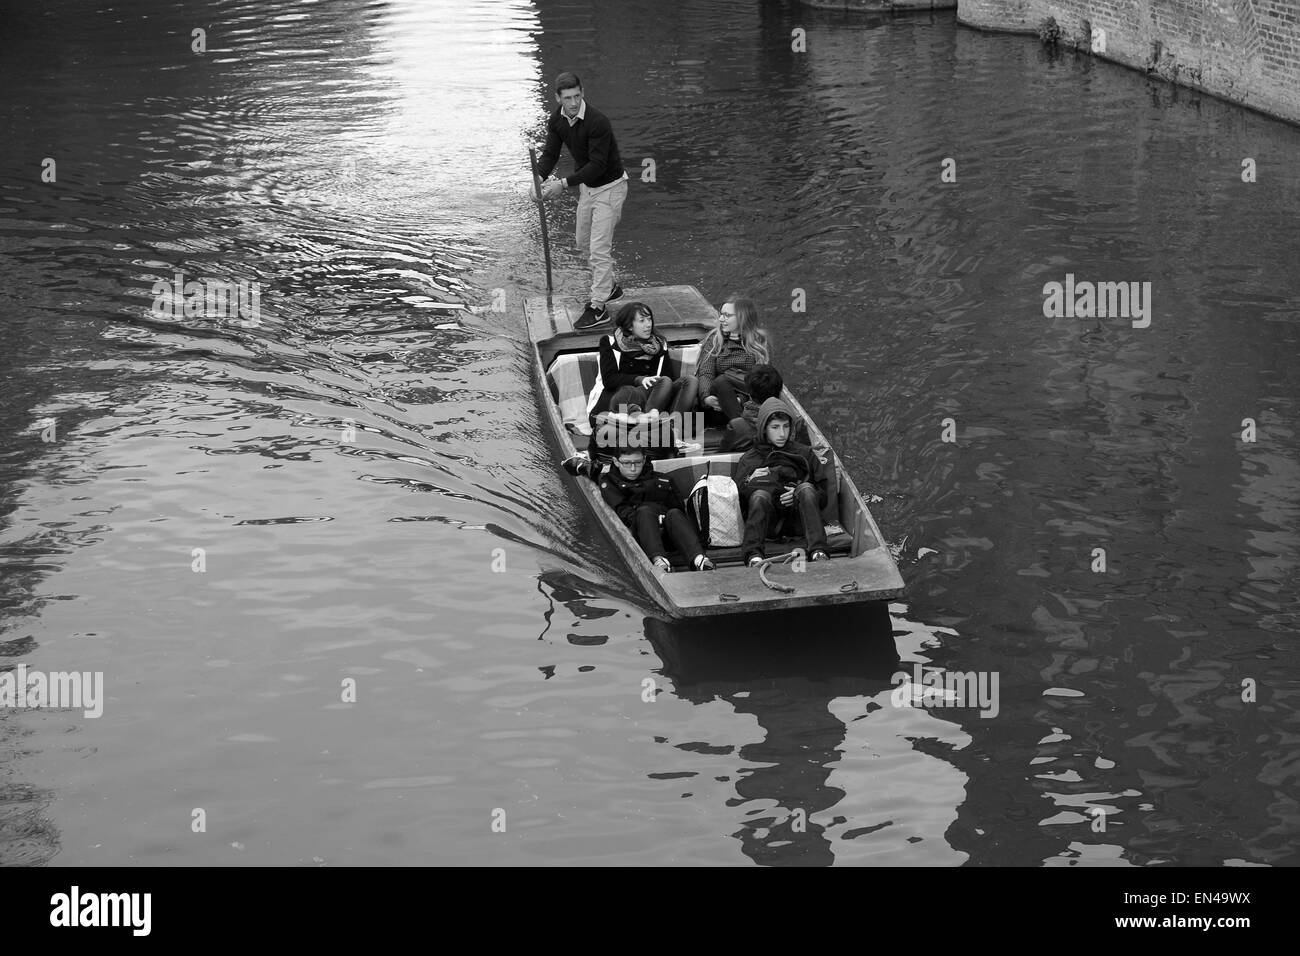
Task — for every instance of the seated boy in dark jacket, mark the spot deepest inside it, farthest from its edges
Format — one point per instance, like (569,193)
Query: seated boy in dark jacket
(762,382)
(647,503)
(780,478)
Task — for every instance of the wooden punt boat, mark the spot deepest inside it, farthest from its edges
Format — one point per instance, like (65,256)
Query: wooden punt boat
(564,362)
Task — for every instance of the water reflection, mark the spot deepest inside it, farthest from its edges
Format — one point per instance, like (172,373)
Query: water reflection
(786,671)
(581,598)
(27,836)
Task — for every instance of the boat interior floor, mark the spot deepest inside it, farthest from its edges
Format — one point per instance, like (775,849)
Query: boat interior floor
(837,544)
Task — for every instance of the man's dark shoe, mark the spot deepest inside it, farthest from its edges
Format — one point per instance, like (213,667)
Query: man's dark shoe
(617,294)
(591,318)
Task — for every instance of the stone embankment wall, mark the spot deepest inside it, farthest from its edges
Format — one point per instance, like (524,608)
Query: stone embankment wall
(880,6)
(1247,51)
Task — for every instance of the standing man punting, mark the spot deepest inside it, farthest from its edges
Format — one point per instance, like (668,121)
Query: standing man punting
(601,182)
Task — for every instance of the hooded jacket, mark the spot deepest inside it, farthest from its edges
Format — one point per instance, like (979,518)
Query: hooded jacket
(789,465)
(625,495)
(750,414)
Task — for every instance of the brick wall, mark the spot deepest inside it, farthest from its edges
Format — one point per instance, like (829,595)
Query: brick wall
(1247,51)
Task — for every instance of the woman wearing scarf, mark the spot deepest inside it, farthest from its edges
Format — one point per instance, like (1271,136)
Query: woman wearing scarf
(636,372)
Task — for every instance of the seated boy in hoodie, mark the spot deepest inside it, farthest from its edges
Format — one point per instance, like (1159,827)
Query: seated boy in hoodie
(780,478)
(762,382)
(645,501)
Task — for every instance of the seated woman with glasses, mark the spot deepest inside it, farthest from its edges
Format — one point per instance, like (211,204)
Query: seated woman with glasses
(727,355)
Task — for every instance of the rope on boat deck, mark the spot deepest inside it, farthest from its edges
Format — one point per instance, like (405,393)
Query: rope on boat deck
(779,559)
(786,559)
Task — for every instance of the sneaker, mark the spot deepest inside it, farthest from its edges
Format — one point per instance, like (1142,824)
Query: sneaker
(663,564)
(703,563)
(754,560)
(616,294)
(576,464)
(820,556)
(632,410)
(590,318)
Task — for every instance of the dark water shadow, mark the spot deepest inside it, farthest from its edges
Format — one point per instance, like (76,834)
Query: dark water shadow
(822,643)
(783,668)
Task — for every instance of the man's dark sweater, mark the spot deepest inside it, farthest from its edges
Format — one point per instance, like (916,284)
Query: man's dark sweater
(596,160)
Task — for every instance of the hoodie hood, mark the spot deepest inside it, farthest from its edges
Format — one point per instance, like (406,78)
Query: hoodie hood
(766,411)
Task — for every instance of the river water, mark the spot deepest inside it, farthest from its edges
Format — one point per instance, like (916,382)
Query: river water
(364,163)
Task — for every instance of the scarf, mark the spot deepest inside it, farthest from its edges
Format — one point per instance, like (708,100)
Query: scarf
(630,343)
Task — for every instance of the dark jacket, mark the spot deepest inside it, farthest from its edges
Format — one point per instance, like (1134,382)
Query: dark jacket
(750,415)
(619,368)
(625,495)
(789,465)
(731,360)
(591,140)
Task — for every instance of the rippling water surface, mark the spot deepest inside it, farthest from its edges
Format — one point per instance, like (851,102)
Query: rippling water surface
(364,163)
